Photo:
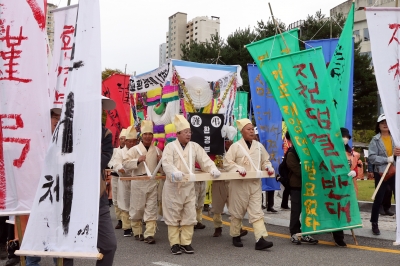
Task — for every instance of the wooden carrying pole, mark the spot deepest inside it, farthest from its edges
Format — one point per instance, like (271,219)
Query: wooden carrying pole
(201,176)
(277,26)
(20,236)
(380,182)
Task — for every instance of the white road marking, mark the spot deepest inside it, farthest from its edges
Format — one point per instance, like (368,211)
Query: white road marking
(164,263)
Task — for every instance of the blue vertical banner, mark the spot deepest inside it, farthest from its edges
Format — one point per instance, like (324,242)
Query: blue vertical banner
(268,120)
(328,49)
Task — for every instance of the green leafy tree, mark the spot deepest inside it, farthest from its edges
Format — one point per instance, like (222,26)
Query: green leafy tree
(108,72)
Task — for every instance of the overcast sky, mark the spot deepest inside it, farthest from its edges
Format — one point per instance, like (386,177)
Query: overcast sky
(132,30)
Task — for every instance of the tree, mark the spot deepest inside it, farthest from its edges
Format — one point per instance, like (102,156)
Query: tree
(108,72)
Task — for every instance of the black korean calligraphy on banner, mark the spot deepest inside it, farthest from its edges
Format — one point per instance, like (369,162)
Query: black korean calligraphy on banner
(206,131)
(154,79)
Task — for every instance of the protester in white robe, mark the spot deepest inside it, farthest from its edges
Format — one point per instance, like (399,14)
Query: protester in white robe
(143,159)
(178,198)
(245,194)
(124,187)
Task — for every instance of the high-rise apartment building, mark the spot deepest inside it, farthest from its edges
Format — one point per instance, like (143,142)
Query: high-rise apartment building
(200,29)
(176,35)
(50,24)
(180,31)
(161,54)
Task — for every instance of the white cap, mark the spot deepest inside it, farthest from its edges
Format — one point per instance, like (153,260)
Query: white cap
(381,118)
(107,103)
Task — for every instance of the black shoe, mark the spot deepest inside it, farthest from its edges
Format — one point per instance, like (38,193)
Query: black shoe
(295,240)
(13,261)
(217,232)
(285,208)
(119,225)
(176,250)
(271,210)
(237,242)
(187,249)
(110,202)
(199,226)
(263,207)
(128,233)
(389,213)
(149,240)
(309,240)
(375,229)
(139,237)
(340,243)
(206,208)
(3,252)
(263,244)
(243,232)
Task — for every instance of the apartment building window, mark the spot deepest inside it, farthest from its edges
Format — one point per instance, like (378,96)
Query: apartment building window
(195,33)
(195,28)
(187,32)
(195,39)
(195,22)
(187,37)
(175,27)
(366,34)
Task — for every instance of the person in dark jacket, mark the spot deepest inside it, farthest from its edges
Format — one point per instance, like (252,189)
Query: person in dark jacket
(294,165)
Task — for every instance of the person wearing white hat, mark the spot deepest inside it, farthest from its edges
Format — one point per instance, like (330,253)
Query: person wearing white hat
(124,187)
(115,177)
(143,159)
(381,152)
(245,194)
(178,198)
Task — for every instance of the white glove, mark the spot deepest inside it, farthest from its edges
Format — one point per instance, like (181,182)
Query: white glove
(241,171)
(177,176)
(352,173)
(270,170)
(215,173)
(390,159)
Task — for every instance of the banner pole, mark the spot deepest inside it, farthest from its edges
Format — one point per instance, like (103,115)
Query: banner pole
(380,182)
(69,3)
(354,237)
(20,236)
(397,3)
(279,29)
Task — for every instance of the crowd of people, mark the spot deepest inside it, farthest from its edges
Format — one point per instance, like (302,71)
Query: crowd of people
(138,203)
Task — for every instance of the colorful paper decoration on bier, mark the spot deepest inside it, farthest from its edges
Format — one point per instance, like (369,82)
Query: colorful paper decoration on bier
(153,96)
(170,93)
(159,136)
(170,133)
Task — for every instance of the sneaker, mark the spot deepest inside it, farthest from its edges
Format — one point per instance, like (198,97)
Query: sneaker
(139,237)
(340,243)
(176,250)
(309,240)
(295,240)
(128,233)
(149,240)
(199,226)
(187,249)
(375,229)
(119,225)
(263,244)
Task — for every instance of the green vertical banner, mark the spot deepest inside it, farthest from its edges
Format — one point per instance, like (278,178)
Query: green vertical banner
(339,69)
(328,196)
(274,46)
(240,110)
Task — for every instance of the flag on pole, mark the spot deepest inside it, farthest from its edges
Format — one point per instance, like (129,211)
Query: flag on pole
(383,28)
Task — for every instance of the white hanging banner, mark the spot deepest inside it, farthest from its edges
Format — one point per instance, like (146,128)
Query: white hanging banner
(64,215)
(64,34)
(384,32)
(24,104)
(150,80)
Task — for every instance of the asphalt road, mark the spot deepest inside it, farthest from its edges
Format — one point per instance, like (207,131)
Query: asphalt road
(220,251)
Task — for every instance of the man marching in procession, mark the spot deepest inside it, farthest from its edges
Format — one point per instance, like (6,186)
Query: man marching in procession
(124,187)
(115,177)
(245,194)
(179,198)
(143,159)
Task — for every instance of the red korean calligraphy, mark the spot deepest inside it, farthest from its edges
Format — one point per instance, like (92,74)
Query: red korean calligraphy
(11,55)
(14,123)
